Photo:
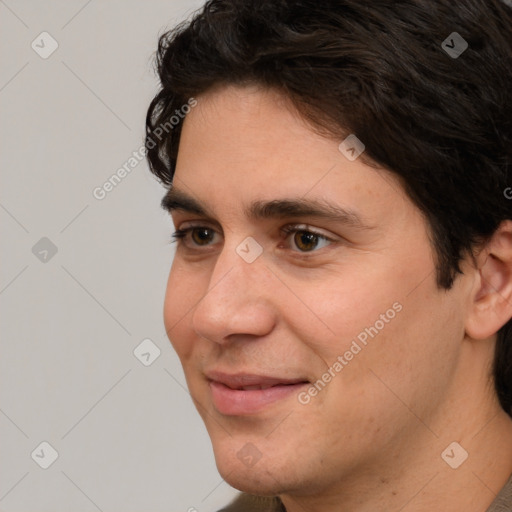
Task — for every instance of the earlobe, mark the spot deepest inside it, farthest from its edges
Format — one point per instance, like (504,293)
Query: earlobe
(491,301)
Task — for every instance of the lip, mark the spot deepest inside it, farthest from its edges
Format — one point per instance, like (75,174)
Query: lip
(230,399)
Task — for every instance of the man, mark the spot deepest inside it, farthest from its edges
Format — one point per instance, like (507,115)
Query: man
(341,294)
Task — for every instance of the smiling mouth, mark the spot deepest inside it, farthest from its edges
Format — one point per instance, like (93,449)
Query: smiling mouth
(262,386)
(246,394)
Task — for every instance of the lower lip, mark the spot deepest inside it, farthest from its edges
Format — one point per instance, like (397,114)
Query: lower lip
(235,402)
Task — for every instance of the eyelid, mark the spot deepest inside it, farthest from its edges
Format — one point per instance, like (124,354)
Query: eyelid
(194,224)
(183,231)
(290,228)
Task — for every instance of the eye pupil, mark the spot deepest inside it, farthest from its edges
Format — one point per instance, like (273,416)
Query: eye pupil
(202,235)
(305,240)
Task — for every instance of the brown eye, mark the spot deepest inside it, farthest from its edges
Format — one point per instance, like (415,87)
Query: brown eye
(302,239)
(305,240)
(202,236)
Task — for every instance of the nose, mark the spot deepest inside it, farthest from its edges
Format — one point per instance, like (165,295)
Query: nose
(238,301)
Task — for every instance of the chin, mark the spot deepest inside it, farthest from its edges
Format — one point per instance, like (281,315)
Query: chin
(262,473)
(259,481)
(265,488)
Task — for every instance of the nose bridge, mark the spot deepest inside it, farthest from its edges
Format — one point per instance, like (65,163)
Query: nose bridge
(235,301)
(239,268)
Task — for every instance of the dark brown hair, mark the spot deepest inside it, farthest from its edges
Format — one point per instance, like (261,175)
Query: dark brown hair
(383,70)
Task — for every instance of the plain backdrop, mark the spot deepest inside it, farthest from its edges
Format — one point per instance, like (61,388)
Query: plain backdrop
(90,419)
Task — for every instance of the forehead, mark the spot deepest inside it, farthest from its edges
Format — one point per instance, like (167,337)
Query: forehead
(249,144)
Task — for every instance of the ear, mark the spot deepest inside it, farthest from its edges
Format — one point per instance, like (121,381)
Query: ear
(491,297)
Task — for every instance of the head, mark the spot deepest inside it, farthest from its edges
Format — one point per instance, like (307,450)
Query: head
(356,283)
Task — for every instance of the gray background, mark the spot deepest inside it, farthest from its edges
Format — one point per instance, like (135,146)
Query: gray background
(127,435)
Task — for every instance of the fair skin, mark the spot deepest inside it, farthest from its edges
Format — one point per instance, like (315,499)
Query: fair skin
(372,438)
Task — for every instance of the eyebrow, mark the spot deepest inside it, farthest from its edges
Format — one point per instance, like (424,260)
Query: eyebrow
(277,208)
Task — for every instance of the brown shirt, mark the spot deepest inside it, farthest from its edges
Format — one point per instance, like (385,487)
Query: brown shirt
(503,502)
(247,503)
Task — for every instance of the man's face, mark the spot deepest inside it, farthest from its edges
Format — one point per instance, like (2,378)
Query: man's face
(349,302)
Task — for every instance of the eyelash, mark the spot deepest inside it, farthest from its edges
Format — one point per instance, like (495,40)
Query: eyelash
(181,234)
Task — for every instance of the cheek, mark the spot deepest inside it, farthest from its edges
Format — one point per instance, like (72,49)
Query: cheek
(341,309)
(181,294)
(409,363)
(393,331)
(426,340)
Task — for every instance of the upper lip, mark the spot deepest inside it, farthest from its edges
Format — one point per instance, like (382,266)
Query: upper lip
(241,380)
